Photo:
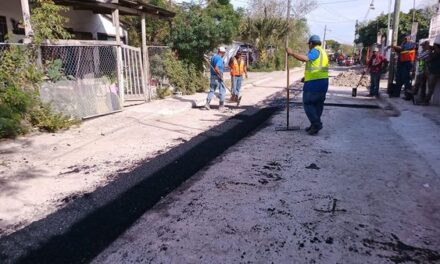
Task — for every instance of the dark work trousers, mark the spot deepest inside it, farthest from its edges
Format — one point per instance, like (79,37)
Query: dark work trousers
(403,75)
(313,106)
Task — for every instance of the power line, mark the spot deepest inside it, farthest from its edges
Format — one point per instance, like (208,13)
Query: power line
(331,22)
(333,12)
(371,6)
(336,2)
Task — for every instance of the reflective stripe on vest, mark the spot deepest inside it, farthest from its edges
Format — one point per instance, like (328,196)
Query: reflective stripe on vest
(408,55)
(237,69)
(422,65)
(317,69)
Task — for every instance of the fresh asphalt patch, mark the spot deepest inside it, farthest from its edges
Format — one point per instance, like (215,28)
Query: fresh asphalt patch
(90,223)
(365,106)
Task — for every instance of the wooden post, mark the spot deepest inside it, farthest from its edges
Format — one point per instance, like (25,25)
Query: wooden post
(145,57)
(29,33)
(119,65)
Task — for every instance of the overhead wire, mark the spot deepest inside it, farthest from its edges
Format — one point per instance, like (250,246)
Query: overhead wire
(334,12)
(368,10)
(336,2)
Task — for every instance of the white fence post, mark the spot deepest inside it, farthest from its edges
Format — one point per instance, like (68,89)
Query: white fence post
(145,56)
(119,64)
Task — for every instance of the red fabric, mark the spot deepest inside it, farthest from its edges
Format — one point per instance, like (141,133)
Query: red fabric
(375,63)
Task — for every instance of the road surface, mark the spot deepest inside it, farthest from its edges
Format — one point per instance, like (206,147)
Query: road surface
(365,190)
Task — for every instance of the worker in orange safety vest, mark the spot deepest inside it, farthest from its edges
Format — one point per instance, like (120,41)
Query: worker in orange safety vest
(238,69)
(405,65)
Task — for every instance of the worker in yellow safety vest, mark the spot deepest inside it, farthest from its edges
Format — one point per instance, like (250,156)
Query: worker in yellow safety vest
(238,69)
(315,82)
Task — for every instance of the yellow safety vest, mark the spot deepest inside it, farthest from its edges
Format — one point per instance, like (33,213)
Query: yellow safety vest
(317,69)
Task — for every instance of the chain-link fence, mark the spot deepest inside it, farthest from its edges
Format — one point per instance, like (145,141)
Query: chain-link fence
(158,82)
(82,80)
(82,62)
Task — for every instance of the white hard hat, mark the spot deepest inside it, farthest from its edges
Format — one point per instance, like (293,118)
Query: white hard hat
(221,49)
(375,49)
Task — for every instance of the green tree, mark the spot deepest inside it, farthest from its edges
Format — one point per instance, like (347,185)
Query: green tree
(198,30)
(333,45)
(266,28)
(157,30)
(368,31)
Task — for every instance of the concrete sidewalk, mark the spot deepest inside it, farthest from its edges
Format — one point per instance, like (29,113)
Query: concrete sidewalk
(41,173)
(430,111)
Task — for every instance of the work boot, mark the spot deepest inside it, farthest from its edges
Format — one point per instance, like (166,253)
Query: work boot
(221,107)
(233,98)
(207,106)
(313,130)
(308,128)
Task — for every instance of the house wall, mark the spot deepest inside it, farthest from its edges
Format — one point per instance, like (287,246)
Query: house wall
(11,9)
(87,21)
(79,21)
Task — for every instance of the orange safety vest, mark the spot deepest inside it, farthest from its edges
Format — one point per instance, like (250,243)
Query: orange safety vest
(237,69)
(408,55)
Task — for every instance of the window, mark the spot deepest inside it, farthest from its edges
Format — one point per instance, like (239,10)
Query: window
(3,29)
(82,35)
(17,27)
(104,36)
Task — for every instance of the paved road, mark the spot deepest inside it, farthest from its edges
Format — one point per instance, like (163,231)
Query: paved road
(362,191)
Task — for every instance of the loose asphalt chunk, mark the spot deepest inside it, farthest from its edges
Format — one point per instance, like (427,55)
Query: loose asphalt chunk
(86,226)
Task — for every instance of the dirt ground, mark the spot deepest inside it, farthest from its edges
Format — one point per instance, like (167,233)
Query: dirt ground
(359,192)
(41,173)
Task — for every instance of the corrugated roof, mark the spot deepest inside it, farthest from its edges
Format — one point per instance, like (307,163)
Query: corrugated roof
(126,7)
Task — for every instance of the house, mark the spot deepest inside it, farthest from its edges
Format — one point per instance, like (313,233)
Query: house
(82,24)
(96,73)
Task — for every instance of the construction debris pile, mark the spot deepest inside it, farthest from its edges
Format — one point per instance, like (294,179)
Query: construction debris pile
(351,79)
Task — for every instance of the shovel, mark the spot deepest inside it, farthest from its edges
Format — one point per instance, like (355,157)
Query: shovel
(354,90)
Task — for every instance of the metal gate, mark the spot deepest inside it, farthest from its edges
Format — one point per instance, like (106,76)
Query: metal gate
(135,88)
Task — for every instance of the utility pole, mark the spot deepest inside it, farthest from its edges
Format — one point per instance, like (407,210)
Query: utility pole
(355,36)
(414,12)
(389,24)
(323,39)
(393,43)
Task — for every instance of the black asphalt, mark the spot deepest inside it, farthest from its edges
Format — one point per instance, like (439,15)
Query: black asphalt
(86,226)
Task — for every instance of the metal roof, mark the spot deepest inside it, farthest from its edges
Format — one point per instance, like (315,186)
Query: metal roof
(126,7)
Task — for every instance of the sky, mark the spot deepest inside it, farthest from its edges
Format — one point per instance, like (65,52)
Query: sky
(340,15)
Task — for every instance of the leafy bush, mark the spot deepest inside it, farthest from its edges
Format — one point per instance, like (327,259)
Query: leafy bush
(14,104)
(184,77)
(55,70)
(198,82)
(47,21)
(21,110)
(20,105)
(157,67)
(17,68)
(45,119)
(163,92)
